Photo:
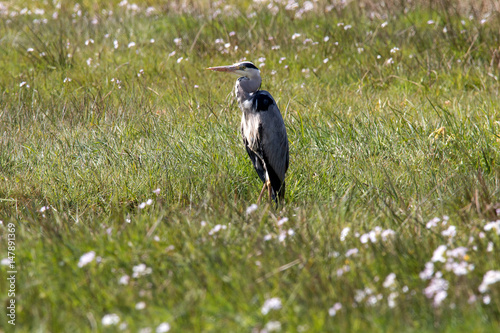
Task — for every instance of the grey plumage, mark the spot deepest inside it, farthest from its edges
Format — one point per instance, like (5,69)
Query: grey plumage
(262,128)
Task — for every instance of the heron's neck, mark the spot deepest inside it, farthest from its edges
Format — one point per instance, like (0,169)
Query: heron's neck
(245,87)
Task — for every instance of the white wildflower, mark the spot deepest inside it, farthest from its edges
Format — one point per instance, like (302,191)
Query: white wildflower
(439,297)
(5,262)
(490,247)
(364,238)
(308,6)
(252,208)
(86,258)
(217,228)
(427,273)
(493,226)
(140,306)
(390,280)
(372,300)
(438,254)
(334,309)
(272,326)
(351,252)
(141,270)
(271,304)
(124,280)
(344,233)
(432,223)
(163,328)
(391,299)
(458,252)
(458,268)
(359,295)
(437,289)
(282,221)
(110,319)
(489,278)
(386,234)
(291,5)
(44,208)
(450,232)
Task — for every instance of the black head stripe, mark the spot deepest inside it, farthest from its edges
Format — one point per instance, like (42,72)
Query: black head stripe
(249,65)
(262,102)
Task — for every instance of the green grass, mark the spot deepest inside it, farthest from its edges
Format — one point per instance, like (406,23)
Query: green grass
(373,143)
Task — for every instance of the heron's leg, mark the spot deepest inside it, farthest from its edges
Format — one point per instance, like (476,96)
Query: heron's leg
(270,191)
(262,192)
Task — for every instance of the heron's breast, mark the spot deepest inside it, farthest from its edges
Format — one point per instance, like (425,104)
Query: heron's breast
(250,128)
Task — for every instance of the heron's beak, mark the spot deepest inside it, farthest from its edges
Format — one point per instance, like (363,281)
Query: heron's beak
(229,69)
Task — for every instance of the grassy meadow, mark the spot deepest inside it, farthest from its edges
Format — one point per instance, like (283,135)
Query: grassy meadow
(123,170)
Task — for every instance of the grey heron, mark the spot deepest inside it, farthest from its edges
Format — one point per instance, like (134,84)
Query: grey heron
(262,128)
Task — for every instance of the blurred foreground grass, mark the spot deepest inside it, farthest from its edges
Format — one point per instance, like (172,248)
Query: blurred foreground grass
(393,121)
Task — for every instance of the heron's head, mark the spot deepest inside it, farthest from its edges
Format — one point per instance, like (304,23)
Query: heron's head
(242,69)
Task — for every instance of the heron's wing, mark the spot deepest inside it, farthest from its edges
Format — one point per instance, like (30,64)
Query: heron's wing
(273,140)
(277,184)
